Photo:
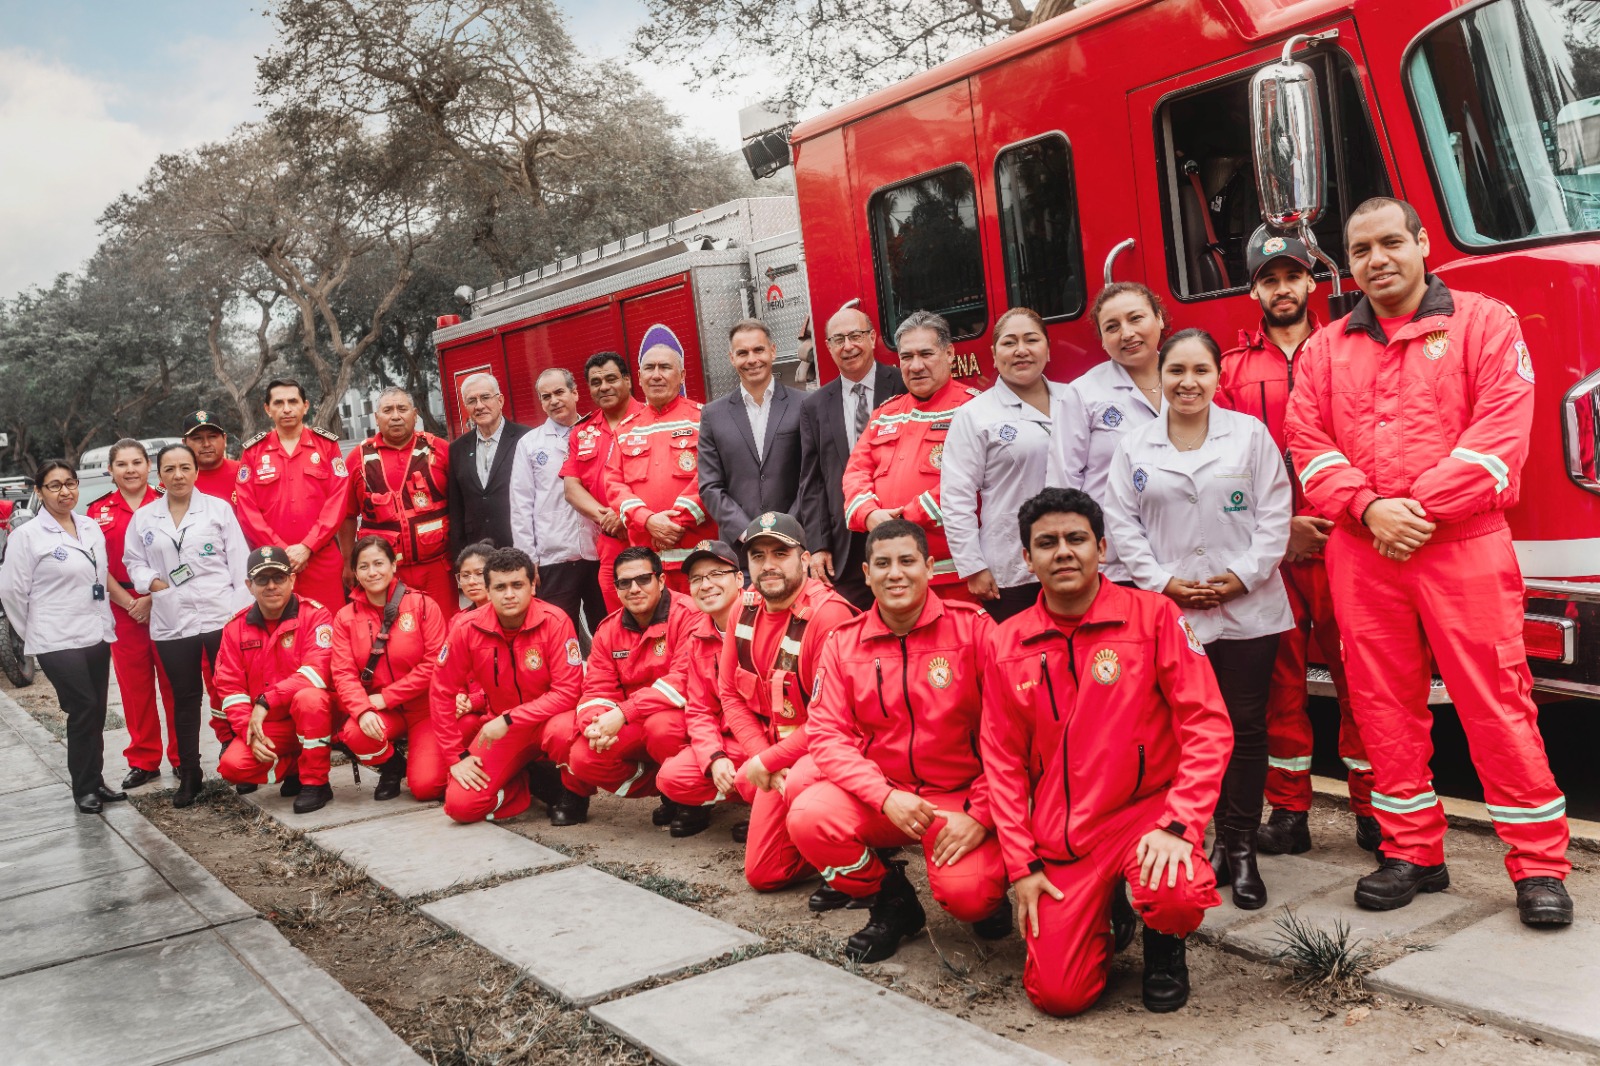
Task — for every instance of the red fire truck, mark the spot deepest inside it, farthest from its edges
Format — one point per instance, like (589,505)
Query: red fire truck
(1116,142)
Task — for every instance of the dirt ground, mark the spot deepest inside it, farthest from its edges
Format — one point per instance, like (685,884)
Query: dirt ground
(456,1004)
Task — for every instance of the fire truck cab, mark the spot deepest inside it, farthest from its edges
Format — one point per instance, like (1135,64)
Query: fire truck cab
(1115,143)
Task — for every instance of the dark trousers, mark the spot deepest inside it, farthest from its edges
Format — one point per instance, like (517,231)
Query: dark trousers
(187,660)
(82,677)
(1244,674)
(571,587)
(848,580)
(1012,601)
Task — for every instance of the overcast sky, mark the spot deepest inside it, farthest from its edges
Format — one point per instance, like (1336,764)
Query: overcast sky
(91,91)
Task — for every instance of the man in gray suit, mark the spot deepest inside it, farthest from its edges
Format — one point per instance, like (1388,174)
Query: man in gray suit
(830,421)
(750,438)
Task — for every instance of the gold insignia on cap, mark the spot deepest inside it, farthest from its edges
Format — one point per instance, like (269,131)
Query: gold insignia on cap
(769,520)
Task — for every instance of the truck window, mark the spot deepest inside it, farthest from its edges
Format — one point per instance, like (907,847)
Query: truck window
(1210,204)
(1508,98)
(1039,234)
(925,244)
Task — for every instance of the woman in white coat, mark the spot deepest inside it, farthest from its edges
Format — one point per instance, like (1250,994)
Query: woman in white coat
(188,554)
(53,585)
(1199,505)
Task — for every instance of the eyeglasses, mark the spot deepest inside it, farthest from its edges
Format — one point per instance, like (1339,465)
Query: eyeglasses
(638,581)
(59,486)
(464,576)
(855,336)
(709,575)
(274,577)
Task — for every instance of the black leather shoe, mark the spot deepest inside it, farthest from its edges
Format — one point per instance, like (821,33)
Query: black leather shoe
(998,925)
(1124,922)
(569,809)
(690,820)
(664,813)
(312,798)
(108,796)
(1239,852)
(1286,833)
(89,803)
(544,781)
(1166,972)
(1396,882)
(290,786)
(740,831)
(137,777)
(826,899)
(1368,833)
(1543,901)
(190,783)
(390,772)
(245,789)
(895,915)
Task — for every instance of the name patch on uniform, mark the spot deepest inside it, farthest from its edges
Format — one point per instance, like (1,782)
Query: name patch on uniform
(620,654)
(687,431)
(1236,502)
(942,427)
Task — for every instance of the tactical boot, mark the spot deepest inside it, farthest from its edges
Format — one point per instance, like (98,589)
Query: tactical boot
(190,782)
(1286,833)
(390,771)
(245,788)
(290,786)
(1396,882)
(569,809)
(1124,922)
(690,820)
(544,781)
(998,925)
(895,915)
(664,813)
(1368,833)
(740,831)
(1543,901)
(1166,972)
(826,899)
(312,798)
(1239,852)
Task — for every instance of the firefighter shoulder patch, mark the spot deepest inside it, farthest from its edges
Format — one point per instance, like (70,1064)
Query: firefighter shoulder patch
(324,636)
(444,653)
(244,473)
(816,687)
(574,653)
(339,468)
(1524,363)
(1191,636)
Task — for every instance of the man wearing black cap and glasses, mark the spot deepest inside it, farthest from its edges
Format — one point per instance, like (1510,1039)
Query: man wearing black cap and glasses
(215,474)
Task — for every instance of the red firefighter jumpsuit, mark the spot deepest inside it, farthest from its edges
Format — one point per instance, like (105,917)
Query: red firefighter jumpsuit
(765,680)
(896,464)
(1256,380)
(284,665)
(530,675)
(1441,414)
(655,468)
(413,517)
(901,713)
(592,444)
(642,672)
(1096,732)
(427,780)
(686,777)
(221,481)
(133,653)
(401,676)
(297,499)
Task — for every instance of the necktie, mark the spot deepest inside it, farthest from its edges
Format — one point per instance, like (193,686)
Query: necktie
(861,413)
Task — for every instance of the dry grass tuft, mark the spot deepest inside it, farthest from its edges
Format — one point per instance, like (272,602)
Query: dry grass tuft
(1329,968)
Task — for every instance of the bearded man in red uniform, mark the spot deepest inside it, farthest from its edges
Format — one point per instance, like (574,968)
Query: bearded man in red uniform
(1409,425)
(294,492)
(594,437)
(214,473)
(399,491)
(894,470)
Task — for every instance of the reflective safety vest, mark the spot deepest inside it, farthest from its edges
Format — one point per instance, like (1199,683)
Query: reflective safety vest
(413,518)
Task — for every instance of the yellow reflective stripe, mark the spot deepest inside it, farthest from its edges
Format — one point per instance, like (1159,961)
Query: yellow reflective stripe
(312,676)
(1295,766)
(233,701)
(856,504)
(670,693)
(830,872)
(622,789)
(1553,811)
(690,506)
(1404,805)
(1320,463)
(1492,463)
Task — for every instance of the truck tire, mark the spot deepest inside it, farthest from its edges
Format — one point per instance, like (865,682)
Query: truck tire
(19,668)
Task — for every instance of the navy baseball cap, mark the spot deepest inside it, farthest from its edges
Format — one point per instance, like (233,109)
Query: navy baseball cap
(711,549)
(267,557)
(1265,246)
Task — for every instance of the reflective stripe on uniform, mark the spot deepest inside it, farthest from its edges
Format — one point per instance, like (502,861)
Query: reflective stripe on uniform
(674,555)
(1293,766)
(658,427)
(670,693)
(944,566)
(912,416)
(314,742)
(600,703)
(622,789)
(830,872)
(744,632)
(499,801)
(628,504)
(1320,463)
(233,701)
(1360,766)
(1401,805)
(856,504)
(1555,810)
(312,676)
(789,645)
(690,506)
(219,714)
(1492,463)
(931,507)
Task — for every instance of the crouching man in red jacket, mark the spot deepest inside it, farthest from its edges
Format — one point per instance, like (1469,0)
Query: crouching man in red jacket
(894,738)
(1104,743)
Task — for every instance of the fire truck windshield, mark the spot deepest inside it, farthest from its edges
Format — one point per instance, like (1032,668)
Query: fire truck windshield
(1508,98)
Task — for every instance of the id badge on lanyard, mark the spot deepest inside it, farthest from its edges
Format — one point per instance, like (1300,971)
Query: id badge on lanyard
(182,572)
(96,590)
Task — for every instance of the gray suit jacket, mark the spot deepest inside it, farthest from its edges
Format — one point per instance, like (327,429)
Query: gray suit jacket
(735,486)
(824,451)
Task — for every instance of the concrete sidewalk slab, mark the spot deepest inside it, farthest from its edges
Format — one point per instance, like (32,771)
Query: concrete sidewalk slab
(77,853)
(298,1046)
(1290,880)
(793,1010)
(9,739)
(1261,938)
(1539,982)
(351,803)
(193,882)
(91,917)
(584,935)
(423,851)
(21,769)
(36,810)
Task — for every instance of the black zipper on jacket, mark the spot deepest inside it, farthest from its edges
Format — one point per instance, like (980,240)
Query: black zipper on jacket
(1140,779)
(883,708)
(1066,766)
(905,692)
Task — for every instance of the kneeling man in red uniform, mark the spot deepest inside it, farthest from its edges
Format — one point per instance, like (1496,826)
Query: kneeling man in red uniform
(523,654)
(1104,744)
(272,674)
(894,736)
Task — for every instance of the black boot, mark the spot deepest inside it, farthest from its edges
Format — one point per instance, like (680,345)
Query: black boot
(1286,833)
(1239,853)
(740,831)
(690,820)
(390,771)
(664,813)
(569,809)
(137,777)
(896,915)
(1543,901)
(998,925)
(826,899)
(290,786)
(245,789)
(1368,833)
(1396,882)
(1219,860)
(1166,972)
(544,781)
(312,798)
(1124,922)
(190,782)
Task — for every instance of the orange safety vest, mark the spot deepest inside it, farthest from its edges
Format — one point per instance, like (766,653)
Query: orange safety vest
(413,518)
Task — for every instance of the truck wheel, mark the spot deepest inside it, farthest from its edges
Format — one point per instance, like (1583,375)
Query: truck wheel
(21,669)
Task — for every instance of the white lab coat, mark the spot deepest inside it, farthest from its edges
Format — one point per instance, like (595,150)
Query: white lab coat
(47,585)
(1192,515)
(1105,405)
(996,456)
(543,523)
(214,550)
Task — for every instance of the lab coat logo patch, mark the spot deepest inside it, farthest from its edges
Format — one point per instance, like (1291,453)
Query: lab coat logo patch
(1112,417)
(149,538)
(1524,363)
(939,673)
(1191,636)
(1140,479)
(542,458)
(1105,668)
(574,654)
(936,457)
(208,549)
(1008,433)
(407,623)
(1236,502)
(1435,344)
(59,555)
(533,660)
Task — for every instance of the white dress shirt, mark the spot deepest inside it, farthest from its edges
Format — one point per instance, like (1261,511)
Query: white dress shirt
(757,413)
(484,450)
(47,585)
(996,456)
(1105,404)
(848,387)
(210,543)
(543,523)
(1192,515)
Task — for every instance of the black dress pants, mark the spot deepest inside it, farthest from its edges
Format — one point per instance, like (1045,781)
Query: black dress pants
(1013,601)
(571,587)
(848,580)
(186,660)
(1244,674)
(82,678)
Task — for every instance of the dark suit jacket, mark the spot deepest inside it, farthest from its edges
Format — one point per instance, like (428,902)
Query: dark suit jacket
(476,512)
(735,486)
(824,451)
